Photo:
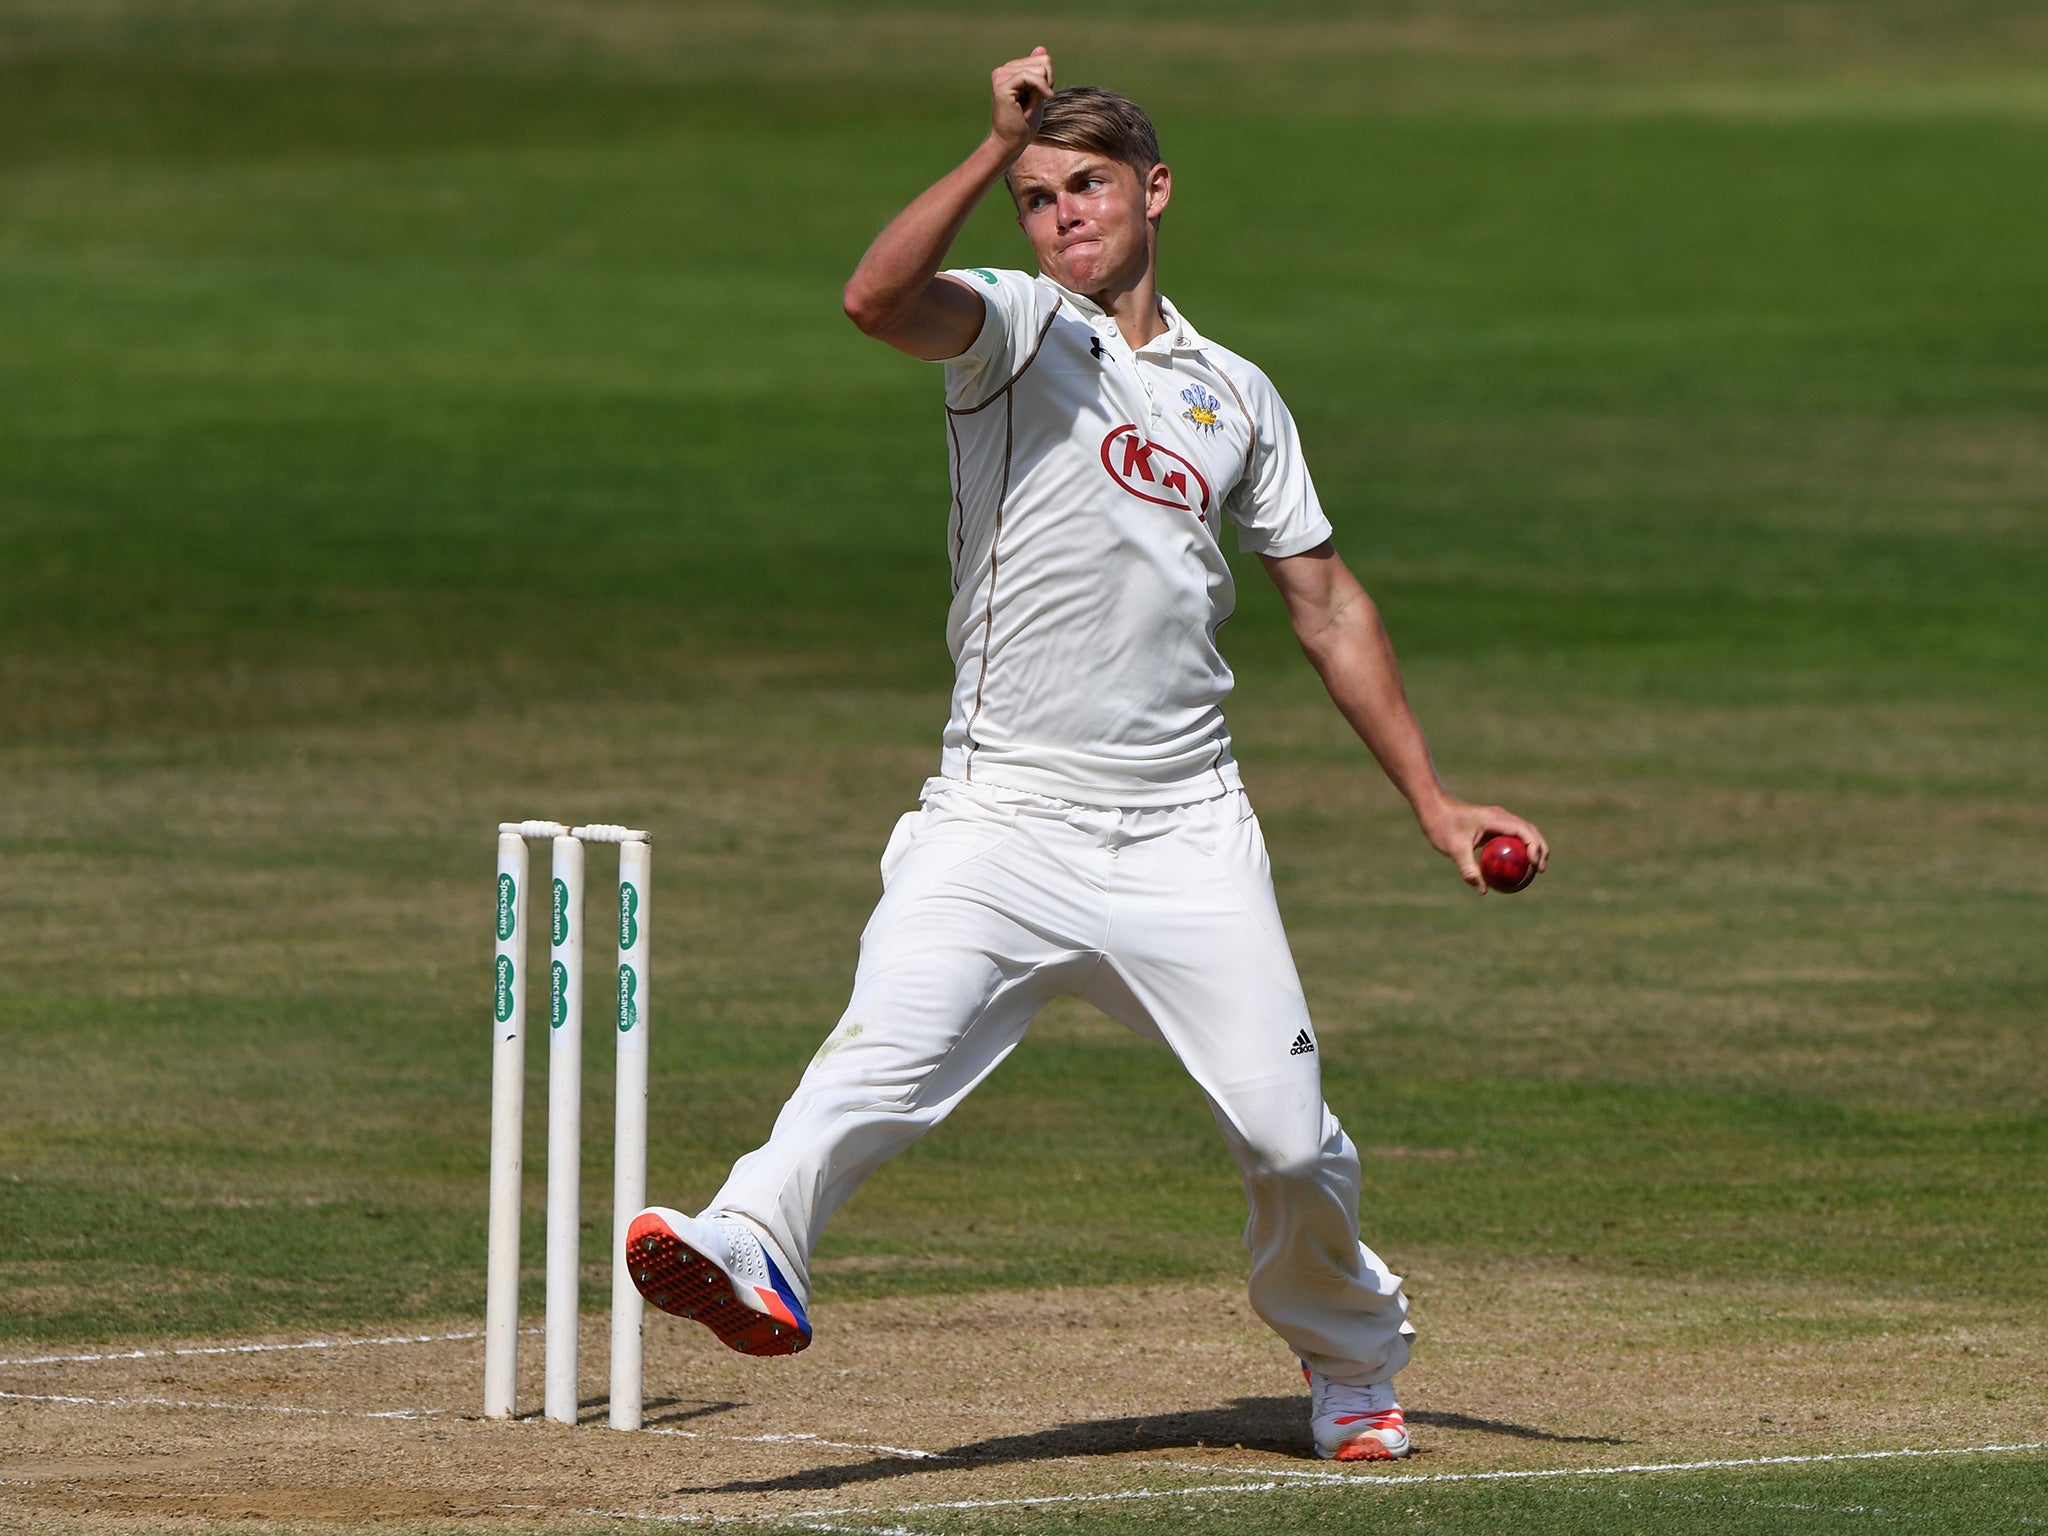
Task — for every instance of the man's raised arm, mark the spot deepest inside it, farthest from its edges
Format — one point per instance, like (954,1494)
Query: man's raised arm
(895,294)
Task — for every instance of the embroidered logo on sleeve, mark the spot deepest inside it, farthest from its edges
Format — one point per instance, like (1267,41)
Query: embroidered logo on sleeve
(1302,1045)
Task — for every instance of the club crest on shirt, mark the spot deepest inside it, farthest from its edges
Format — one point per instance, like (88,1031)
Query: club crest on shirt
(1154,473)
(1204,409)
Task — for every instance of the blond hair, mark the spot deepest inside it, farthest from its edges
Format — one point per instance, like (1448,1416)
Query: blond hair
(1088,118)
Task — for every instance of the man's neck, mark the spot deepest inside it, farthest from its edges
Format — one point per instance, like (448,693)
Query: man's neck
(1133,303)
(1135,309)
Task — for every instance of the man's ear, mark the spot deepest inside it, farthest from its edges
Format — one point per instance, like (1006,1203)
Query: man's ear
(1158,191)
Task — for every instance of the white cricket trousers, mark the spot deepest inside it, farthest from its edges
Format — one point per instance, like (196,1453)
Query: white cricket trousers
(994,902)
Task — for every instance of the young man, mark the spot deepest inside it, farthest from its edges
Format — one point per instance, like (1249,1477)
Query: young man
(1087,834)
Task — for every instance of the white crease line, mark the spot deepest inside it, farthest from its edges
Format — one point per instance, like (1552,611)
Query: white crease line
(248,1349)
(1298,1480)
(173,1402)
(1117,1496)
(421,1413)
(805,1516)
(1276,1481)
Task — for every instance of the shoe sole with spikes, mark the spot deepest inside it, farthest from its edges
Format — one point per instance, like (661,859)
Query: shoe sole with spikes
(679,1279)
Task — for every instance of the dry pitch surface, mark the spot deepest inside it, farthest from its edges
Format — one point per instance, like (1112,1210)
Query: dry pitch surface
(973,1402)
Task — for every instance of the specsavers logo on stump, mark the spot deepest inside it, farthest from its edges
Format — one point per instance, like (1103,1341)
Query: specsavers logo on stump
(508,906)
(1154,473)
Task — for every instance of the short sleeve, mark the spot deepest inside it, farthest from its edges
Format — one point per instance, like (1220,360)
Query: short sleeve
(1274,503)
(1009,303)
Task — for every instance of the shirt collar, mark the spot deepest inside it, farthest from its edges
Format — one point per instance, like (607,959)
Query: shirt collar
(1179,336)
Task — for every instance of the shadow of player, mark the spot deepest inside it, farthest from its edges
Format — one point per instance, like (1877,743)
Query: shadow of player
(595,1410)
(1275,1425)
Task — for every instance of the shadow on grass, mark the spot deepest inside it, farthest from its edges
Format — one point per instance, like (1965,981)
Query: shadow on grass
(1277,1425)
(596,1410)
(1502,1427)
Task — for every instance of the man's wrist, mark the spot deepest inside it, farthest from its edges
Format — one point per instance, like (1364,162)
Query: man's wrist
(995,155)
(1430,802)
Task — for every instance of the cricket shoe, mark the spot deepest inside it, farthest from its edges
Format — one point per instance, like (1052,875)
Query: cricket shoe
(1355,1423)
(715,1270)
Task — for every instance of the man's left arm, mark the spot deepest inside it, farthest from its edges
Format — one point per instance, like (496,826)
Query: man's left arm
(1339,628)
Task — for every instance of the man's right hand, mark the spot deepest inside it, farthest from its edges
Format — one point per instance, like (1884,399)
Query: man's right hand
(1019,91)
(895,294)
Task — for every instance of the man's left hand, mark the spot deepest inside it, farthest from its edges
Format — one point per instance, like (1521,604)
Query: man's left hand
(1457,829)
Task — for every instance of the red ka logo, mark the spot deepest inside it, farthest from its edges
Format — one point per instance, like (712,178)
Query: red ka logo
(1154,473)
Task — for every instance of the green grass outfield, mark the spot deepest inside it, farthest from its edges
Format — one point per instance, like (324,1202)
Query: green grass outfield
(1990,1495)
(410,418)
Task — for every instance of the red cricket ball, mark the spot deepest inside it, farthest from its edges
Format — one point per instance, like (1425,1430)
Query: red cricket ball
(1505,865)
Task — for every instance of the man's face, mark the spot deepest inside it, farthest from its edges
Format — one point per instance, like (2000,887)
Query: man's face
(1087,215)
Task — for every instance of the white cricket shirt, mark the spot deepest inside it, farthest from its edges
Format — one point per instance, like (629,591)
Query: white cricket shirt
(1090,484)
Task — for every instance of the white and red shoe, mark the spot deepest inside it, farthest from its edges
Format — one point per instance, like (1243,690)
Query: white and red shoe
(713,1269)
(1355,1423)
